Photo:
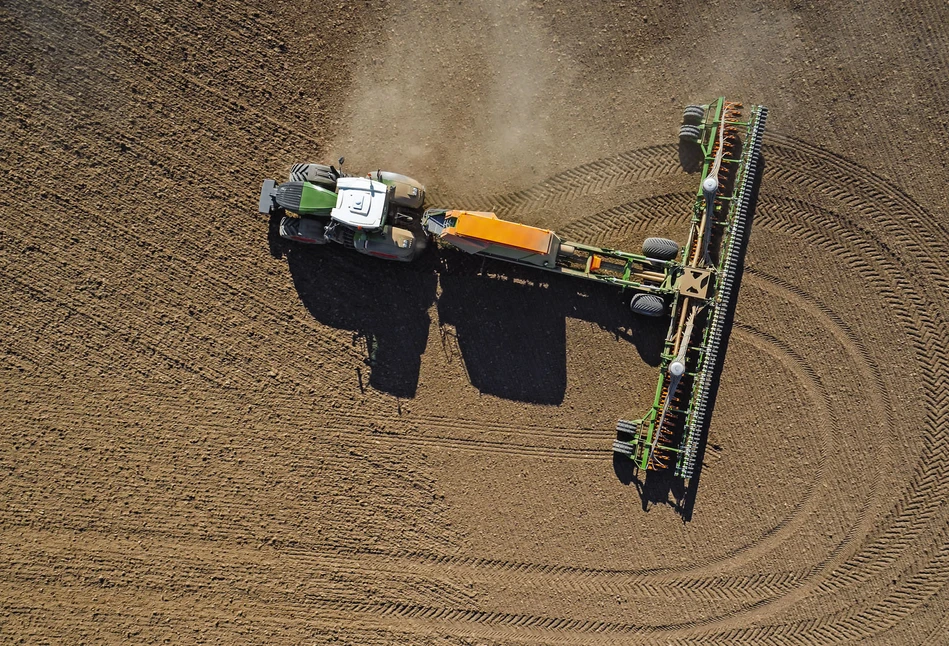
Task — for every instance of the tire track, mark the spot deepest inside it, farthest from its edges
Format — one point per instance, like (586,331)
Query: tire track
(912,515)
(905,529)
(261,575)
(410,433)
(855,202)
(574,184)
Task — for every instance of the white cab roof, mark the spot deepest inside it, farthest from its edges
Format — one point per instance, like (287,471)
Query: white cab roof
(360,202)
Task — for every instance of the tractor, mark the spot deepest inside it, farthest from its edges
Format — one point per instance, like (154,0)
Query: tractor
(377,215)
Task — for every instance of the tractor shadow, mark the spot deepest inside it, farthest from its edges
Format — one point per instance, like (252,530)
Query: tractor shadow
(384,304)
(509,325)
(506,324)
(662,487)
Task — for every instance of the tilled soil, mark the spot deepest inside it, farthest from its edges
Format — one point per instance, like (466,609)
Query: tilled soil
(212,436)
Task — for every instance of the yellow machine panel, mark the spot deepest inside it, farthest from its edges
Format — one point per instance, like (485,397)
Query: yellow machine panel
(487,227)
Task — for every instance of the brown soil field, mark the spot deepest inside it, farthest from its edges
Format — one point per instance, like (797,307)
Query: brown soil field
(195,449)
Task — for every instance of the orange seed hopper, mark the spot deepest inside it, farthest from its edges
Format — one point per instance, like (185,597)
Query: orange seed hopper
(483,227)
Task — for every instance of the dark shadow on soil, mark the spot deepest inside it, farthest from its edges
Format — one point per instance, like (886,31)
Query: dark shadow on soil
(506,323)
(690,156)
(625,469)
(384,304)
(509,324)
(661,488)
(657,488)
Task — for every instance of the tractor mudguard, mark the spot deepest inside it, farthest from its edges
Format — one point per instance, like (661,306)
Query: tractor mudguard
(392,243)
(408,192)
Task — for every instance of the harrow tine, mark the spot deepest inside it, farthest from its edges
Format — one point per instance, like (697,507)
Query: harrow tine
(695,423)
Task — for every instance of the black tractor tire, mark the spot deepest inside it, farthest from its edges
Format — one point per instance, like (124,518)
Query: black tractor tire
(647,305)
(318,174)
(660,248)
(693,114)
(690,133)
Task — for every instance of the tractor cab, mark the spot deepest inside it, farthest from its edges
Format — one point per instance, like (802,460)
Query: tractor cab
(361,203)
(378,215)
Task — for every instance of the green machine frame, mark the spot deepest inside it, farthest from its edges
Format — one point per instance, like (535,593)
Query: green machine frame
(698,285)
(668,436)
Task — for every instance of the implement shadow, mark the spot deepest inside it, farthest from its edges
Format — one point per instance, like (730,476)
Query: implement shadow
(691,156)
(508,323)
(384,304)
(657,488)
(686,503)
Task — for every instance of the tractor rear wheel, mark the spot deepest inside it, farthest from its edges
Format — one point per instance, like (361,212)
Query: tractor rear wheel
(647,305)
(660,248)
(690,133)
(693,114)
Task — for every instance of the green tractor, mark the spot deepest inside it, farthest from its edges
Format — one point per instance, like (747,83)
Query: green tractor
(378,215)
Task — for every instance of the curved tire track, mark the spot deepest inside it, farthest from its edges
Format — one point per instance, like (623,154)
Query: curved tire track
(866,552)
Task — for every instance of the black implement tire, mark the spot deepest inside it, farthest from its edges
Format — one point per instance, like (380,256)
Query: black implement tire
(693,114)
(647,305)
(660,248)
(690,133)
(623,448)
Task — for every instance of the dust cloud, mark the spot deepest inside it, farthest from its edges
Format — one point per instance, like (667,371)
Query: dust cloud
(479,107)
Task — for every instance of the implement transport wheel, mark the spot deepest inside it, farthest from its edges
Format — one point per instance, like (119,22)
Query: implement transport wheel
(623,448)
(690,133)
(693,114)
(660,248)
(647,305)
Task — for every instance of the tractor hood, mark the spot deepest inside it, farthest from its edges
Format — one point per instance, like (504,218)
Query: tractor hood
(360,203)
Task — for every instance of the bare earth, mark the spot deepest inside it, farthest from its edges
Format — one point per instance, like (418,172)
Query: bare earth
(194,448)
